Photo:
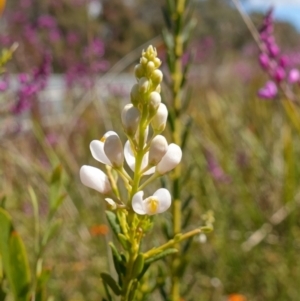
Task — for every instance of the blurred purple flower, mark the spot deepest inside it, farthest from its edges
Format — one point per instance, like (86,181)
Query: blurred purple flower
(31,85)
(280,68)
(294,76)
(46,21)
(216,170)
(269,91)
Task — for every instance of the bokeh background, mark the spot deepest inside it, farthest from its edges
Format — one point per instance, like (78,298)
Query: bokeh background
(67,83)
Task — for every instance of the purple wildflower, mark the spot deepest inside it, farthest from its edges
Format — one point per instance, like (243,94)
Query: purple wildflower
(215,169)
(31,85)
(294,76)
(47,22)
(269,91)
(278,66)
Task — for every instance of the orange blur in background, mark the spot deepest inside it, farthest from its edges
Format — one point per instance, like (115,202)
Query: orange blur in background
(2,5)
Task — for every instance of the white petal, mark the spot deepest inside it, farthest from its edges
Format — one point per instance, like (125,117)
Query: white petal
(129,157)
(112,203)
(97,148)
(113,149)
(160,119)
(138,204)
(164,198)
(170,160)
(95,178)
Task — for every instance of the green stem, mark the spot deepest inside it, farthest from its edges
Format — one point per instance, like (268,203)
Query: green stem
(176,76)
(171,243)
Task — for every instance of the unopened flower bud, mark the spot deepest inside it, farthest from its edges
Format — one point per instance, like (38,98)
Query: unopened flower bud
(279,74)
(135,95)
(154,102)
(150,68)
(113,149)
(156,77)
(138,71)
(158,88)
(143,61)
(160,118)
(264,60)
(158,149)
(130,119)
(157,62)
(143,85)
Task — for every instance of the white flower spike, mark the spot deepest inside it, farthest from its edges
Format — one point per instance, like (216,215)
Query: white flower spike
(95,178)
(158,203)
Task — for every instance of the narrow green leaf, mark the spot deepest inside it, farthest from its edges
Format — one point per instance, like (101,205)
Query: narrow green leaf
(186,133)
(113,221)
(187,218)
(51,231)
(161,255)
(55,185)
(138,265)
(186,202)
(6,229)
(111,283)
(19,267)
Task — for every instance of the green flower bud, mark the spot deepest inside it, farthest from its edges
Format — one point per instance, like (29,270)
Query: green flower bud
(156,77)
(143,61)
(150,68)
(138,71)
(130,119)
(157,62)
(143,85)
(135,95)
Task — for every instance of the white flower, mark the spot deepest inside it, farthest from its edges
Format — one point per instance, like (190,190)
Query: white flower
(158,203)
(165,160)
(95,178)
(170,160)
(108,150)
(130,159)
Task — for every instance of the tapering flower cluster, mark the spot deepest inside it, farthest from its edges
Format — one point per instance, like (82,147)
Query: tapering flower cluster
(274,62)
(143,154)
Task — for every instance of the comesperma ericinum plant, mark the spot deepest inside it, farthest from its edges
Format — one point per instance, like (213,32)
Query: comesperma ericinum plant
(149,156)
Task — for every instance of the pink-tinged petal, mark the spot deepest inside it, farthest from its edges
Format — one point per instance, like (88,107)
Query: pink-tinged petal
(170,160)
(164,198)
(138,204)
(95,178)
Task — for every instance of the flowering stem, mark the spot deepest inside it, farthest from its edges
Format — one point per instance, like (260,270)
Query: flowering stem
(171,243)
